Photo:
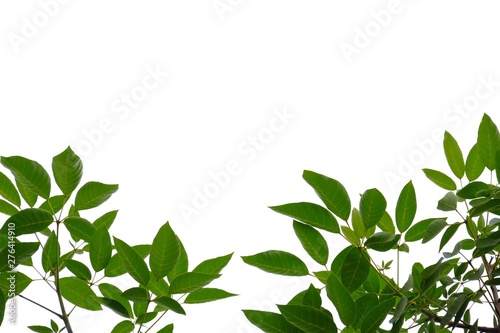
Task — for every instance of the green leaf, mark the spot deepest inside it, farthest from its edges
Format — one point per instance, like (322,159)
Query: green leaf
(454,306)
(27,195)
(357,224)
(474,166)
(406,207)
(136,295)
(54,326)
(167,329)
(400,309)
(311,297)
(100,249)
(312,241)
(448,234)
(382,241)
(350,236)
(40,329)
(418,230)
(454,155)
(28,221)
(3,302)
(23,252)
(30,174)
(8,190)
(165,252)
(191,281)
(341,299)
(125,326)
(470,190)
(133,262)
(170,304)
(112,292)
(440,179)
(372,207)
(433,230)
(448,203)
(53,204)
(116,267)
(80,228)
(50,253)
(7,208)
(93,194)
(270,322)
(79,269)
(488,141)
(374,318)
(497,165)
(308,319)
(331,192)
(277,262)
(182,264)
(386,223)
(213,266)
(68,169)
(207,295)
(21,282)
(78,292)
(106,219)
(355,269)
(310,213)
(115,306)
(158,287)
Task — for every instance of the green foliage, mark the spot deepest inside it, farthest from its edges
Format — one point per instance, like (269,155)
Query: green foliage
(82,274)
(369,295)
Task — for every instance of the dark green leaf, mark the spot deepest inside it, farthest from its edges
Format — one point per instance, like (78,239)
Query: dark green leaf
(23,252)
(106,219)
(312,241)
(355,269)
(311,297)
(30,174)
(79,293)
(8,190)
(433,230)
(440,179)
(167,329)
(382,241)
(470,190)
(28,221)
(170,304)
(372,207)
(136,295)
(50,253)
(213,266)
(418,230)
(114,305)
(310,213)
(53,204)
(7,209)
(207,295)
(341,298)
(79,269)
(182,264)
(270,322)
(68,169)
(125,326)
(40,329)
(100,249)
(116,267)
(331,192)
(454,155)
(278,262)
(488,141)
(308,319)
(27,195)
(406,207)
(448,202)
(165,252)
(93,194)
(21,282)
(191,281)
(132,261)
(448,234)
(373,319)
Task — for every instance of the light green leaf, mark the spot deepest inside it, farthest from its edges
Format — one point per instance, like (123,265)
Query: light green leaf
(80,228)
(100,249)
(406,207)
(350,236)
(191,281)
(308,319)
(106,219)
(270,322)
(454,155)
(93,194)
(78,292)
(165,252)
(7,209)
(8,190)
(278,262)
(125,326)
(207,295)
(132,261)
(28,221)
(372,207)
(341,298)
(169,304)
(331,192)
(488,141)
(355,269)
(213,266)
(30,174)
(382,241)
(386,223)
(116,267)
(440,179)
(357,224)
(310,213)
(53,204)
(312,241)
(28,196)
(67,168)
(474,166)
(448,202)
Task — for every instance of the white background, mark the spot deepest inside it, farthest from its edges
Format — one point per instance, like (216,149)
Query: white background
(358,118)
